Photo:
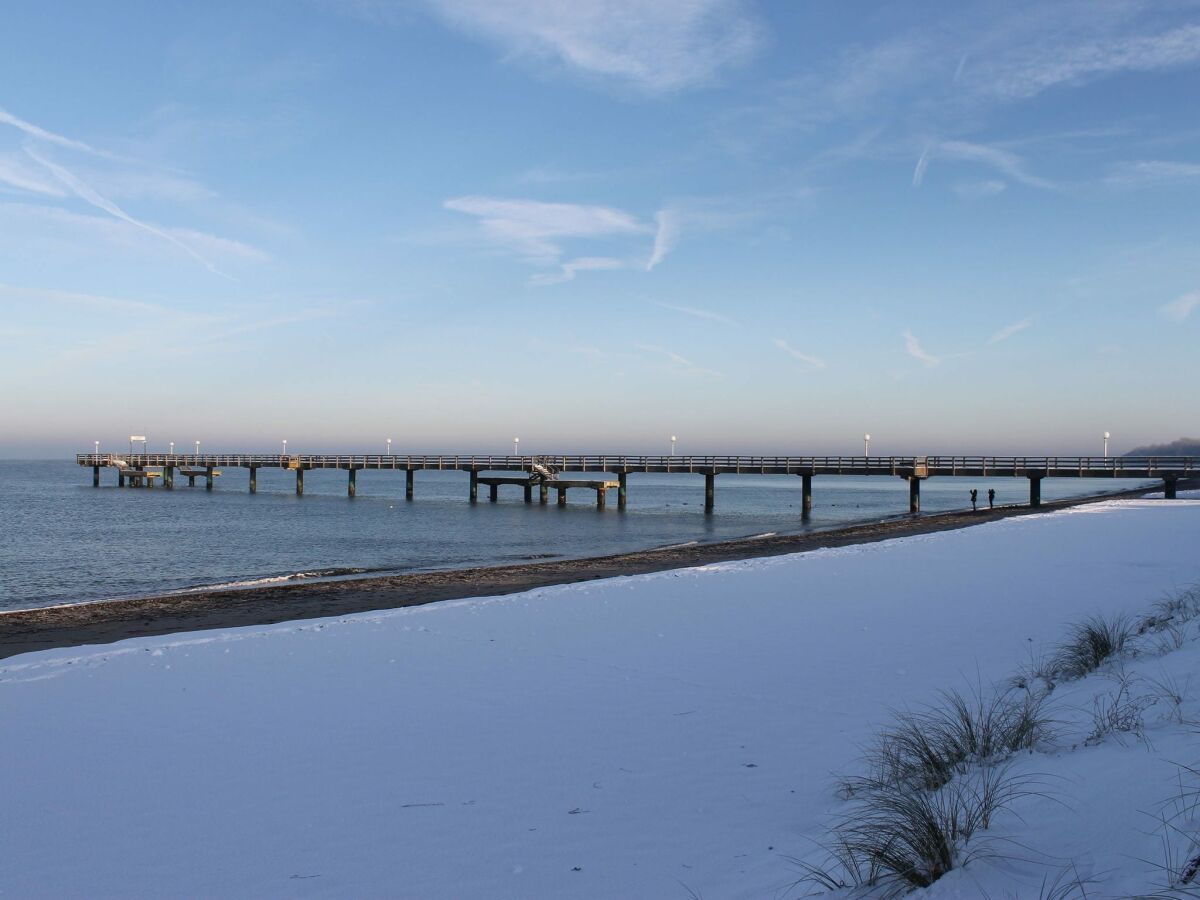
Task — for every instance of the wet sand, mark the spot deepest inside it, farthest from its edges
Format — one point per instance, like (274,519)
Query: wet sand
(23,631)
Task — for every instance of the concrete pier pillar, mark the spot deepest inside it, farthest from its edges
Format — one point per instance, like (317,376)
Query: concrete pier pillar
(528,492)
(95,476)
(120,478)
(601,497)
(191,481)
(1035,490)
(562,496)
(168,476)
(208,483)
(299,482)
(474,486)
(622,490)
(408,483)
(914,495)
(1169,489)
(493,493)
(543,493)
(352,483)
(805,495)
(710,485)
(254,479)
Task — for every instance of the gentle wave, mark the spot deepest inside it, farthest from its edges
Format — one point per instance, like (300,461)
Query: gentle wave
(280,579)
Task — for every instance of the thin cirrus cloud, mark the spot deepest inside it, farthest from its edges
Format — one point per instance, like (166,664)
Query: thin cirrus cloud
(677,363)
(1004,161)
(1182,307)
(1153,171)
(813,361)
(1029,71)
(35,173)
(86,193)
(913,348)
(705,314)
(536,231)
(656,47)
(1009,330)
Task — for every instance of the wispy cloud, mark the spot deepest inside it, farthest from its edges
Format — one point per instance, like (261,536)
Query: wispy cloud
(87,194)
(1004,161)
(1028,71)
(1181,307)
(1153,171)
(815,362)
(655,47)
(534,229)
(571,268)
(49,137)
(16,172)
(676,362)
(914,349)
(1009,330)
(697,313)
(665,237)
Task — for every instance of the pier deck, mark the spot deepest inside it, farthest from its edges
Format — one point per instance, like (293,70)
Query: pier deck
(915,469)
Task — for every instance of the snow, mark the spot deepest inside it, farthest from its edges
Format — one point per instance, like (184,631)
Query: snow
(638,737)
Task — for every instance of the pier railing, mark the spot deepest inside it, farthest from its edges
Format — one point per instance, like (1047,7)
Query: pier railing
(905,466)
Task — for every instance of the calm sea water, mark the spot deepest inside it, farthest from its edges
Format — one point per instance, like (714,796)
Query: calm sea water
(63,541)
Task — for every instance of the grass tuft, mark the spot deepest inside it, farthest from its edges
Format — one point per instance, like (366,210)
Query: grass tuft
(1089,645)
(897,836)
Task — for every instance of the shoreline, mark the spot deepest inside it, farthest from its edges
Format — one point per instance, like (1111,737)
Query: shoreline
(108,621)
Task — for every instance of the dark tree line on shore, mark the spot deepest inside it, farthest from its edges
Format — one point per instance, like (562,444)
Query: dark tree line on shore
(1180,447)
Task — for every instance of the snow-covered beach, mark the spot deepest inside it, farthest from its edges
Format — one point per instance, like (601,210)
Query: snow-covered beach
(667,735)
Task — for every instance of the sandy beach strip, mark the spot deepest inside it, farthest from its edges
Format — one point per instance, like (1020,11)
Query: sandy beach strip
(103,622)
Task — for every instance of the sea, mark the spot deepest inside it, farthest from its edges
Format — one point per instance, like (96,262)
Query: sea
(64,541)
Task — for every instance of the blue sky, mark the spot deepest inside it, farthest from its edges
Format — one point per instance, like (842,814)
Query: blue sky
(764,227)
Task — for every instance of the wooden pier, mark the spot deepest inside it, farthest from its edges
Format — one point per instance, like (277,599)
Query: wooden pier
(560,472)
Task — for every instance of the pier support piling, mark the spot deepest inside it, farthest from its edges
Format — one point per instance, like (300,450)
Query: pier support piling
(562,496)
(710,485)
(208,481)
(601,497)
(543,493)
(493,493)
(528,493)
(120,478)
(474,486)
(805,496)
(95,476)
(168,476)
(299,482)
(1169,489)
(1035,490)
(191,481)
(352,483)
(408,483)
(914,494)
(254,479)
(622,490)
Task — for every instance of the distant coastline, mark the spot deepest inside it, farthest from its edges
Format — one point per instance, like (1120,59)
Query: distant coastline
(107,621)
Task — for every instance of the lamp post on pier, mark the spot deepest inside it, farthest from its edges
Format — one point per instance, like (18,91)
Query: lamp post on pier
(172,446)
(285,446)
(673,439)
(389,446)
(197,448)
(516,445)
(97,443)
(866,445)
(1106,436)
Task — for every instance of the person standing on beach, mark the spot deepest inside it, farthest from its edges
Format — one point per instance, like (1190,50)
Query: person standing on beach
(991,498)
(974,499)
